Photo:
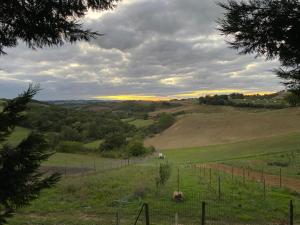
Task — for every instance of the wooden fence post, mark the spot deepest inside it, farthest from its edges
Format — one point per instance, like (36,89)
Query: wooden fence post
(291,213)
(243,175)
(210,176)
(203,214)
(264,189)
(219,187)
(117,218)
(280,178)
(147,214)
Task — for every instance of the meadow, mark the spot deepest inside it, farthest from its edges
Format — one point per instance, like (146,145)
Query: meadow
(94,189)
(96,197)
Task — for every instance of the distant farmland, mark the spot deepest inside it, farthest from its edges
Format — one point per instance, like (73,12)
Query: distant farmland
(217,125)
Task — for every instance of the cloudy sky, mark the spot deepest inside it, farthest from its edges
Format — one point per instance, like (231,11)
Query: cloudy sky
(151,49)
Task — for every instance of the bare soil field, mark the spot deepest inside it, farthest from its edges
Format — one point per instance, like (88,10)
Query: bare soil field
(210,125)
(290,183)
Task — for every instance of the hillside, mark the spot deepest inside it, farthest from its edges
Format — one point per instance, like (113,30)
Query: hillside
(210,125)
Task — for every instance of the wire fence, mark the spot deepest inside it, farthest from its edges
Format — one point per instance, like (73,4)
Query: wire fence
(221,199)
(90,166)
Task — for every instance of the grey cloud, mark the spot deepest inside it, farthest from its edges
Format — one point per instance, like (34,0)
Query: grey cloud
(145,43)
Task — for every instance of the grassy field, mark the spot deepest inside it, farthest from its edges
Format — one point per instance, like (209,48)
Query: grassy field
(239,150)
(139,123)
(220,125)
(18,135)
(287,162)
(93,145)
(95,198)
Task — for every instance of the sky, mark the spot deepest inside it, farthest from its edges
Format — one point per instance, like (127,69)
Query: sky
(150,50)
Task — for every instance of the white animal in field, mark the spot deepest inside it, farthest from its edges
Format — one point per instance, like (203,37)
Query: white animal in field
(161,156)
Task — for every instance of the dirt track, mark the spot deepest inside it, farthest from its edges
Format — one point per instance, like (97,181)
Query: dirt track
(290,183)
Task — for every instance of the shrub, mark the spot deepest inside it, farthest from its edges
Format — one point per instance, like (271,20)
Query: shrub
(113,141)
(70,147)
(280,164)
(164,174)
(136,148)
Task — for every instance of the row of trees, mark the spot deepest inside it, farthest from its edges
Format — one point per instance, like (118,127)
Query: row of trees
(254,101)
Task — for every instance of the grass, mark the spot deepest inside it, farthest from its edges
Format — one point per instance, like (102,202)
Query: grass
(95,198)
(93,145)
(288,162)
(17,135)
(245,149)
(139,123)
(222,125)
(79,160)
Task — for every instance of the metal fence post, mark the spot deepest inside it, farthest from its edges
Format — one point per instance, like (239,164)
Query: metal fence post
(291,213)
(203,214)
(147,214)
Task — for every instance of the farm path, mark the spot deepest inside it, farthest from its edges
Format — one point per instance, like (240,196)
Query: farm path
(290,183)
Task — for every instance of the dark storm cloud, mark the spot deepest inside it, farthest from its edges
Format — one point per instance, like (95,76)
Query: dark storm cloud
(151,47)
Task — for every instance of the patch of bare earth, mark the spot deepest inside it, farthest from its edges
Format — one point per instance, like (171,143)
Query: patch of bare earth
(290,183)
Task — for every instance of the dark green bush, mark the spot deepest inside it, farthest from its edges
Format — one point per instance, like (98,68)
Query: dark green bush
(70,147)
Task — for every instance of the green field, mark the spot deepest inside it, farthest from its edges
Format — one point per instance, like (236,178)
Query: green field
(287,162)
(239,150)
(95,198)
(139,123)
(93,145)
(17,135)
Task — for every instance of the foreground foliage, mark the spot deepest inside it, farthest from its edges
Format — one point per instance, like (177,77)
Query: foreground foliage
(20,179)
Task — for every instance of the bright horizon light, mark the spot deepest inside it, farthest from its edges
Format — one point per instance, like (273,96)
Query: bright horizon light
(186,95)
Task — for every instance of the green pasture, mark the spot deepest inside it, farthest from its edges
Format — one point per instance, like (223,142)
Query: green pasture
(95,198)
(239,150)
(93,145)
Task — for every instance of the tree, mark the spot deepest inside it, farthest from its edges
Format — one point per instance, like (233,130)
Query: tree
(41,23)
(20,178)
(269,28)
(135,147)
(113,141)
(293,99)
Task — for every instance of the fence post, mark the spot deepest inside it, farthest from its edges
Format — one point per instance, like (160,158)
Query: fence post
(243,175)
(280,178)
(117,218)
(210,176)
(203,214)
(291,213)
(219,183)
(176,218)
(264,189)
(147,214)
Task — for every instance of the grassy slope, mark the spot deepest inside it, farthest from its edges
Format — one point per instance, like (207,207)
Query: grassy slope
(139,123)
(218,125)
(238,150)
(93,145)
(95,198)
(18,135)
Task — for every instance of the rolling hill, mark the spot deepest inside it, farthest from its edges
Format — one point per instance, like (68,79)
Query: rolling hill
(210,125)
